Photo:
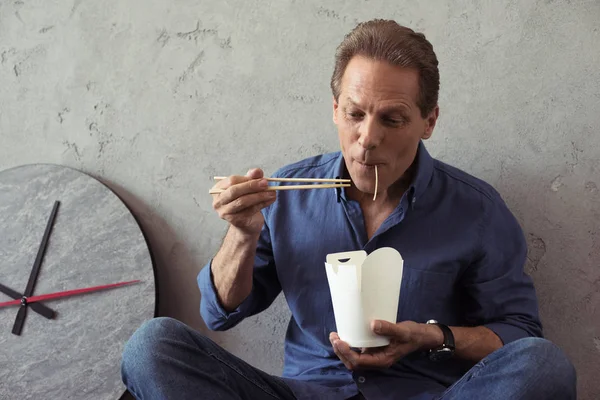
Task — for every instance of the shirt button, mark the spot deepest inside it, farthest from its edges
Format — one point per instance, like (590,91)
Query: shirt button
(361,379)
(414,200)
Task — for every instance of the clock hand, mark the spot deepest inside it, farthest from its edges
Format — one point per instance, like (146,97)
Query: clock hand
(65,293)
(18,326)
(37,307)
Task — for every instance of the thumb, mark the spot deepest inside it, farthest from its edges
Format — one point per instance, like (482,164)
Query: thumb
(384,328)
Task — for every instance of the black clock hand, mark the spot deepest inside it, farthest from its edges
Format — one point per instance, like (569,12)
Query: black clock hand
(18,326)
(37,307)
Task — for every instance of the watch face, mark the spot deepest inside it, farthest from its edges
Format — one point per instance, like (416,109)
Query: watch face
(441,354)
(72,248)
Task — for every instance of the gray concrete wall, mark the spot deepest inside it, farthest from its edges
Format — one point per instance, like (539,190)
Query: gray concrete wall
(155,97)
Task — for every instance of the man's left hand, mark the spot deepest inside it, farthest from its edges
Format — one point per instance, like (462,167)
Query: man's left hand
(405,338)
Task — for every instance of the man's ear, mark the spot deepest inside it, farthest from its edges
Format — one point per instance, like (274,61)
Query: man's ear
(335,111)
(430,122)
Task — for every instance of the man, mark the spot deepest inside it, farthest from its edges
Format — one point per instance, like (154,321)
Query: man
(463,249)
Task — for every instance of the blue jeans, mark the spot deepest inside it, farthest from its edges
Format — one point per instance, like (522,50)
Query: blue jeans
(166,359)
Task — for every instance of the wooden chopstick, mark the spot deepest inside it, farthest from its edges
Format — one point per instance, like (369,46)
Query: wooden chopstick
(291,187)
(219,178)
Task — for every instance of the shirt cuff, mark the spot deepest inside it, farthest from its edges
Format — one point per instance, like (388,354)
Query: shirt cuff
(507,332)
(214,315)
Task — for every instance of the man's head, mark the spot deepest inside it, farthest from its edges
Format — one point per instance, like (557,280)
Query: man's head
(385,90)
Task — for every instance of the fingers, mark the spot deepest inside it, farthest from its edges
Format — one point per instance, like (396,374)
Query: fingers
(236,186)
(402,342)
(252,174)
(380,357)
(252,203)
(242,192)
(242,198)
(340,348)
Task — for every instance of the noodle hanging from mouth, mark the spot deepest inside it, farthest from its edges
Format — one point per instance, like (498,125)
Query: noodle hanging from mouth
(376,183)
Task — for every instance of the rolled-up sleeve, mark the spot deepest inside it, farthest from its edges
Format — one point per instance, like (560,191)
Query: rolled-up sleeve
(499,294)
(265,289)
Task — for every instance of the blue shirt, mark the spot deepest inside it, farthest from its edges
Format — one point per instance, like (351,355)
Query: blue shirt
(464,254)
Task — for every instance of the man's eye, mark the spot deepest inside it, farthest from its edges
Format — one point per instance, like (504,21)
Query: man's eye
(355,114)
(393,121)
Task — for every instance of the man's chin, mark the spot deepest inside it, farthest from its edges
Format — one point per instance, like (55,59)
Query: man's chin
(363,187)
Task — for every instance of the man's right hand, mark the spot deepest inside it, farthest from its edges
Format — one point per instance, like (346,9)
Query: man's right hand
(242,200)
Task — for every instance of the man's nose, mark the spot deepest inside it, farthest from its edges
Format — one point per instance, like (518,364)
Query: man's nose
(370,134)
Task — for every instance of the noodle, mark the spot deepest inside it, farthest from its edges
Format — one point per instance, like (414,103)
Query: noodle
(376,183)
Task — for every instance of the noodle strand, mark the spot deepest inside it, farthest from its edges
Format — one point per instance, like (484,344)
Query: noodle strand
(376,183)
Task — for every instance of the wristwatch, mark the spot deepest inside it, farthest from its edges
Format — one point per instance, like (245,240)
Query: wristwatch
(446,350)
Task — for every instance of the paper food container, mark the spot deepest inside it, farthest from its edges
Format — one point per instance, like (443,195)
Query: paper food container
(364,288)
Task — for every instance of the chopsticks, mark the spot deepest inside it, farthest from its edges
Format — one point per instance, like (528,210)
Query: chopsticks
(332,183)
(220,178)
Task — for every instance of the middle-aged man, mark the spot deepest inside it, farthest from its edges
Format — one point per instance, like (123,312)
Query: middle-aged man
(464,254)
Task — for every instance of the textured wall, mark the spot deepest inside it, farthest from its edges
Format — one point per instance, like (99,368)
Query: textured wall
(155,97)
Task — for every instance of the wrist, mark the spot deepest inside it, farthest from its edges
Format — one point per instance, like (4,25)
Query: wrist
(242,237)
(431,337)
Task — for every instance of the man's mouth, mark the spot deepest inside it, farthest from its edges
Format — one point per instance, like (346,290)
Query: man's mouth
(368,164)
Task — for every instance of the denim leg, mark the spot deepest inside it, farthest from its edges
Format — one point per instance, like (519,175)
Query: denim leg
(530,368)
(165,359)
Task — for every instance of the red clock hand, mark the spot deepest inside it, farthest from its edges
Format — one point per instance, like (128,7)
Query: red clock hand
(66,293)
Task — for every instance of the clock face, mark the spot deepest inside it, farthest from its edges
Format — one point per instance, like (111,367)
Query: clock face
(94,240)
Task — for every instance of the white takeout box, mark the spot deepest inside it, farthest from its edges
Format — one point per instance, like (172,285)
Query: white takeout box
(364,288)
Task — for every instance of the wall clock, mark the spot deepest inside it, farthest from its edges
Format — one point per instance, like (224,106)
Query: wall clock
(65,238)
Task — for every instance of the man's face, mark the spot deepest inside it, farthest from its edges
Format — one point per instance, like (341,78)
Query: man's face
(379,122)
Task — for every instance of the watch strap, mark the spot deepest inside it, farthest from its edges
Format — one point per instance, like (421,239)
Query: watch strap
(448,336)
(446,350)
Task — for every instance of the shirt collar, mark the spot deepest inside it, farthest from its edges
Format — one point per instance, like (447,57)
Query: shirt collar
(420,181)
(424,171)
